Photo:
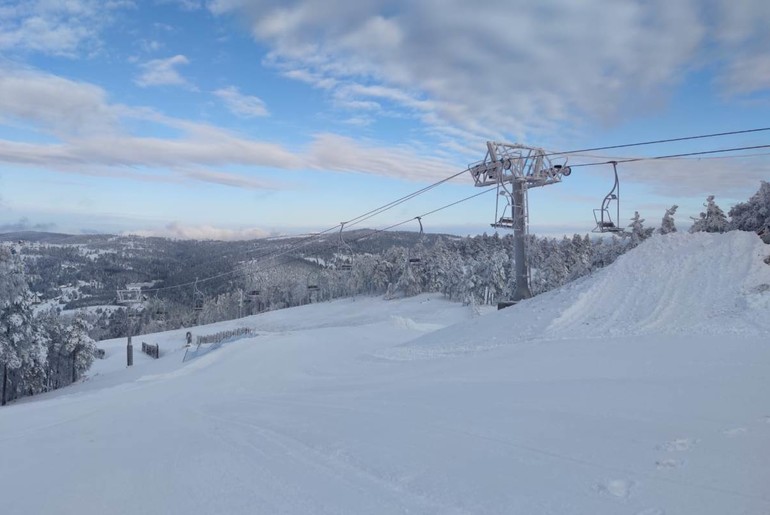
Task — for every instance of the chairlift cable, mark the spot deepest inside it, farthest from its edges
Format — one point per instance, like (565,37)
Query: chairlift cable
(661,141)
(672,156)
(394,203)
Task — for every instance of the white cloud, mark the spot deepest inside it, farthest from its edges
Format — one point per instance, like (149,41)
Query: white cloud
(54,104)
(744,42)
(56,27)
(91,139)
(163,72)
(181,231)
(340,153)
(185,5)
(509,70)
(245,106)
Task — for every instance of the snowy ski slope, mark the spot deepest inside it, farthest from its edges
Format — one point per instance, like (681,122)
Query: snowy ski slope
(640,390)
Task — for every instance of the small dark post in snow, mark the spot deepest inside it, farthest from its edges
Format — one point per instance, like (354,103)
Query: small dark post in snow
(129,353)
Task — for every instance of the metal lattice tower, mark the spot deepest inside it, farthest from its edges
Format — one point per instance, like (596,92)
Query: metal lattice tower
(515,168)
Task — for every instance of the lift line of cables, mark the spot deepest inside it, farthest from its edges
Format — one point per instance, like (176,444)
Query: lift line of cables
(390,205)
(674,156)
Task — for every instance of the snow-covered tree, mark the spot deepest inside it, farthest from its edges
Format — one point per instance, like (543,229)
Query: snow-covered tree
(753,215)
(15,316)
(408,284)
(52,327)
(712,220)
(15,336)
(79,345)
(638,232)
(667,225)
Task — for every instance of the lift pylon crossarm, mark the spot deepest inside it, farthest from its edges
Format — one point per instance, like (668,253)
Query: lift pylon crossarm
(509,162)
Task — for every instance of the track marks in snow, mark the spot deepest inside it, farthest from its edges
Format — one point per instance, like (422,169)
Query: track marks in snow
(678,445)
(668,463)
(335,464)
(619,488)
(652,511)
(734,432)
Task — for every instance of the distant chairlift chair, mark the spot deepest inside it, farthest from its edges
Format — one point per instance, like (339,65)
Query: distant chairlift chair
(346,265)
(604,222)
(417,260)
(198,298)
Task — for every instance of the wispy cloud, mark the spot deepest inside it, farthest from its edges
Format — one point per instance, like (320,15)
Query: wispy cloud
(491,69)
(92,139)
(743,42)
(54,104)
(67,29)
(24,224)
(177,230)
(245,106)
(163,72)
(186,5)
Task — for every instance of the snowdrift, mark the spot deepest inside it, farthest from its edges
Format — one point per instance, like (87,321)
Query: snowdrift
(706,284)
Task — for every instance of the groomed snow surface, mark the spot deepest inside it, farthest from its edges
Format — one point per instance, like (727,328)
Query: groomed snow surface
(640,390)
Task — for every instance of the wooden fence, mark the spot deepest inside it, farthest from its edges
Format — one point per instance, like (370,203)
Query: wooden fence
(151,350)
(224,335)
(215,340)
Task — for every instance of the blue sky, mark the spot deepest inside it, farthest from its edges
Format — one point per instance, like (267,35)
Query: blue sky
(242,118)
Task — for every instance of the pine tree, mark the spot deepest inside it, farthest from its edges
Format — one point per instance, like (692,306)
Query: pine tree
(15,316)
(79,345)
(753,215)
(713,220)
(408,284)
(667,225)
(638,232)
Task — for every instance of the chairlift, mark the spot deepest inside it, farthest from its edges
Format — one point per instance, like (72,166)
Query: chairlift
(417,261)
(160,313)
(198,297)
(346,265)
(312,282)
(505,221)
(131,295)
(604,222)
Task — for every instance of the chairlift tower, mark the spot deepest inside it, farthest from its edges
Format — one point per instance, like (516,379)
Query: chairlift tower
(132,298)
(514,169)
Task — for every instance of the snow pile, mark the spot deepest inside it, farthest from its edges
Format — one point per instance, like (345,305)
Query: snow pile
(673,284)
(686,283)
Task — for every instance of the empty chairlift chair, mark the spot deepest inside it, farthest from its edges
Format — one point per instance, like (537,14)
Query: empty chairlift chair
(345,263)
(604,221)
(198,298)
(415,260)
